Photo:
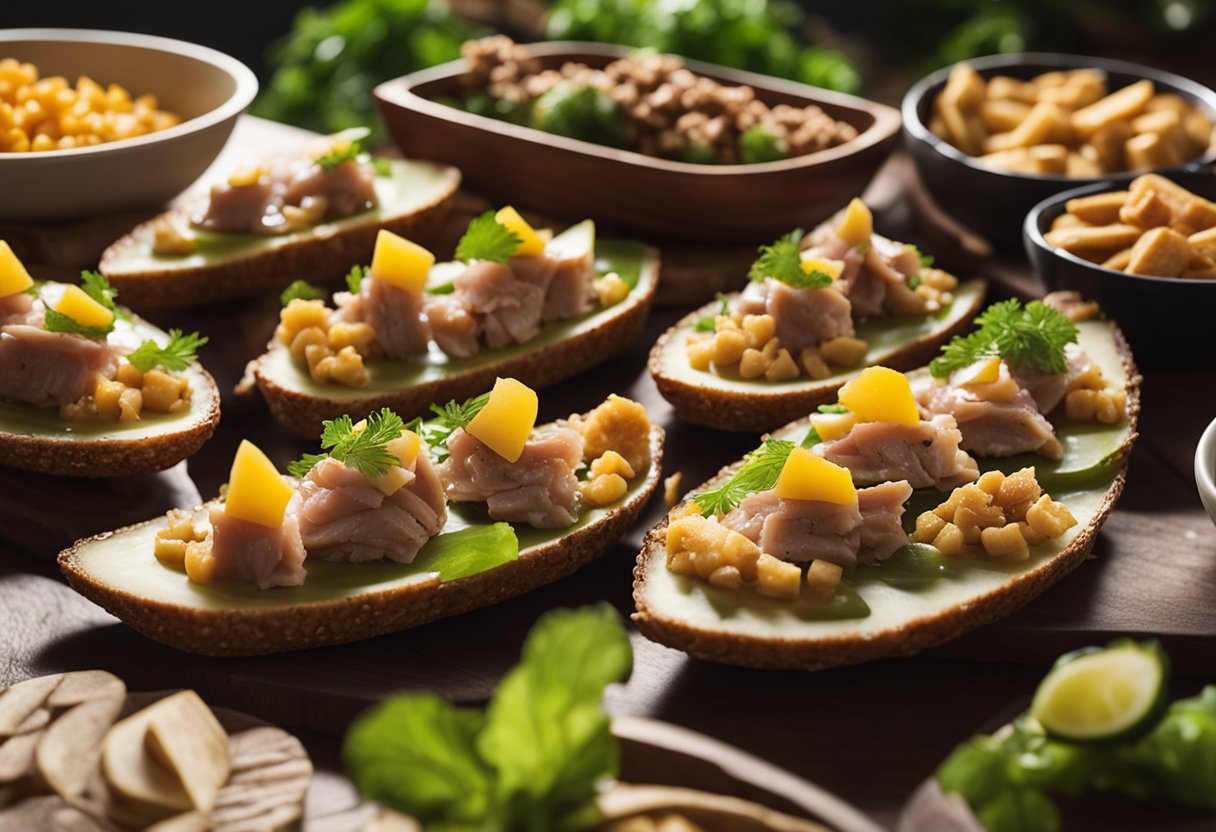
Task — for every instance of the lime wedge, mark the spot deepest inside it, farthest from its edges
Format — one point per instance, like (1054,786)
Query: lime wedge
(1104,695)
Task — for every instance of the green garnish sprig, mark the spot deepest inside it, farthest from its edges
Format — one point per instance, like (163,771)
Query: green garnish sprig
(355,278)
(758,472)
(366,451)
(708,323)
(1028,338)
(177,355)
(348,147)
(488,239)
(448,419)
(301,290)
(96,286)
(782,261)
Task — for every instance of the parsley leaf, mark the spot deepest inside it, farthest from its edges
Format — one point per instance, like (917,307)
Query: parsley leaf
(448,419)
(707,323)
(366,451)
(759,472)
(176,355)
(488,239)
(99,289)
(59,322)
(782,261)
(355,277)
(1029,338)
(301,290)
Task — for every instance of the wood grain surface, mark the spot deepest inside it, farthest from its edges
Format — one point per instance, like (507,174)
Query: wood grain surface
(869,734)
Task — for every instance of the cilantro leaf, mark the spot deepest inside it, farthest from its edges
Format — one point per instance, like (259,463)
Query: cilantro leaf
(355,278)
(488,239)
(707,323)
(1031,338)
(758,472)
(782,261)
(99,289)
(58,322)
(366,451)
(301,290)
(176,355)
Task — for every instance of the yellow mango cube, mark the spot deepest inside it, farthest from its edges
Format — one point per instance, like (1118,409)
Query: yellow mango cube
(81,308)
(808,476)
(391,481)
(880,394)
(831,426)
(256,492)
(984,371)
(506,422)
(13,276)
(405,447)
(857,224)
(532,243)
(832,268)
(400,263)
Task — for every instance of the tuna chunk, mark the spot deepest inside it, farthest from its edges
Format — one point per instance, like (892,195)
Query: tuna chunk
(343,516)
(539,489)
(253,553)
(347,189)
(452,326)
(50,368)
(397,317)
(997,419)
(506,308)
(879,286)
(572,291)
(1049,389)
(18,309)
(806,530)
(805,317)
(926,454)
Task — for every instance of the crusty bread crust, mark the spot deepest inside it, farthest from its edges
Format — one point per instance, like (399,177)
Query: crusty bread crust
(923,633)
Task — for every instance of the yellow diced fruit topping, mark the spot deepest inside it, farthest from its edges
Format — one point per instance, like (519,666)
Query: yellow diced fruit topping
(832,426)
(391,481)
(506,422)
(857,224)
(984,371)
(807,476)
(256,492)
(400,263)
(405,447)
(13,276)
(832,268)
(880,394)
(532,243)
(81,308)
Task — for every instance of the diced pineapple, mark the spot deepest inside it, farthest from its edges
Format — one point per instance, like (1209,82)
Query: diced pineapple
(256,491)
(831,426)
(400,263)
(857,224)
(880,394)
(81,308)
(506,421)
(811,263)
(807,476)
(531,243)
(984,371)
(13,276)
(405,447)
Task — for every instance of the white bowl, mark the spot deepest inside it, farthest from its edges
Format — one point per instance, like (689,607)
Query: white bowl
(208,89)
(1205,469)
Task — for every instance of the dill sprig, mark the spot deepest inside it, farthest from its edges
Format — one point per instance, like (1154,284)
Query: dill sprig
(176,355)
(366,451)
(488,239)
(759,472)
(1028,338)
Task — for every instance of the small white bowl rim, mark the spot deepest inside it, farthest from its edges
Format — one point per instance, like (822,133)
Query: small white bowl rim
(1205,468)
(246,86)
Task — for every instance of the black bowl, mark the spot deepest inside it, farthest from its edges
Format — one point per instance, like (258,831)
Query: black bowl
(993,202)
(1164,318)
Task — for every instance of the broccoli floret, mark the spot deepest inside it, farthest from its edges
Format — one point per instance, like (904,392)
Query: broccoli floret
(700,154)
(759,145)
(580,111)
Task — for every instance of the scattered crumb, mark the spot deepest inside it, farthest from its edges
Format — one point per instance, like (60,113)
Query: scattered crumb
(671,488)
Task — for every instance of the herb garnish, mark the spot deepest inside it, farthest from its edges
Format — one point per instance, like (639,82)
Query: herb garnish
(534,759)
(833,408)
(348,147)
(759,472)
(924,261)
(95,285)
(58,322)
(448,419)
(355,277)
(782,261)
(176,355)
(366,451)
(708,323)
(1029,338)
(301,290)
(488,239)
(99,289)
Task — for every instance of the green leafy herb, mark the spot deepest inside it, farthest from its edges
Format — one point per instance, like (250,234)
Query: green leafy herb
(758,472)
(448,419)
(782,261)
(382,167)
(301,290)
(580,111)
(175,356)
(366,451)
(811,439)
(58,322)
(488,239)
(1031,338)
(534,760)
(347,147)
(1177,760)
(35,289)
(833,408)
(757,144)
(97,287)
(355,277)
(707,323)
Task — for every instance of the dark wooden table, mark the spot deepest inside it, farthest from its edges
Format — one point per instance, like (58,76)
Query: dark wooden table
(868,733)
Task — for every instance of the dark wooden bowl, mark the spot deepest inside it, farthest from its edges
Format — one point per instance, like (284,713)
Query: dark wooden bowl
(1166,319)
(655,198)
(994,202)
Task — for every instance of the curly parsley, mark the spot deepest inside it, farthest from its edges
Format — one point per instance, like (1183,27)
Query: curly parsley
(759,472)
(366,451)
(176,355)
(782,261)
(1028,338)
(488,239)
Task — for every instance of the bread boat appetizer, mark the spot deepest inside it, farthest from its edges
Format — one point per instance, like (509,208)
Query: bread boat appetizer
(391,527)
(917,508)
(304,216)
(815,311)
(81,754)
(88,389)
(411,331)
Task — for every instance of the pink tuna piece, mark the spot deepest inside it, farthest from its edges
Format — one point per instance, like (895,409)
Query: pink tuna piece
(1049,389)
(397,317)
(805,317)
(257,554)
(925,454)
(508,310)
(997,420)
(50,368)
(452,326)
(539,488)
